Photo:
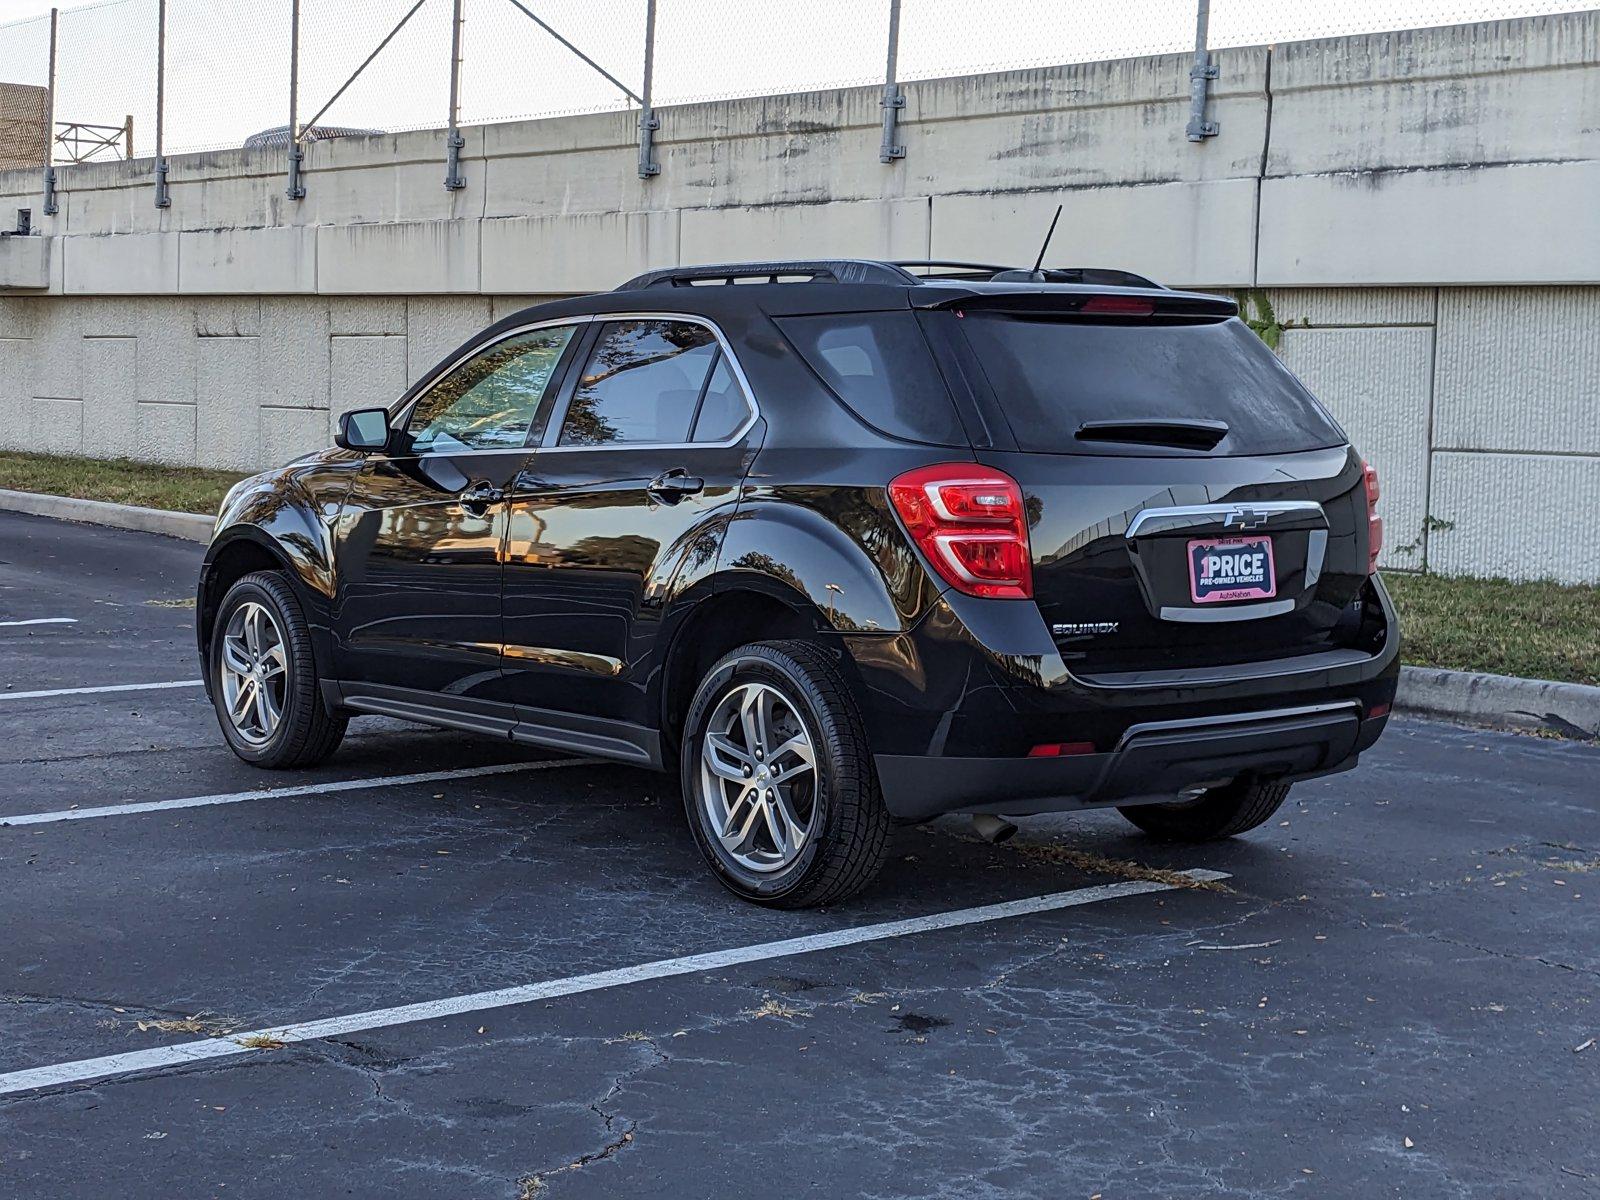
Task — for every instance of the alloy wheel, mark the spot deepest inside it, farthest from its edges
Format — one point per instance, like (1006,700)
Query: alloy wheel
(254,669)
(758,778)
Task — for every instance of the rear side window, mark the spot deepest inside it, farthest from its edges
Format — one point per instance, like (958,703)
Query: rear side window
(1052,376)
(881,367)
(642,383)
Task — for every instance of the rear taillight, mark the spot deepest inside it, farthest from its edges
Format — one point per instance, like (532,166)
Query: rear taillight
(1369,477)
(970,522)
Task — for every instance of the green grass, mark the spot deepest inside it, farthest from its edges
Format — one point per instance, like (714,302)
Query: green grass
(181,489)
(1536,630)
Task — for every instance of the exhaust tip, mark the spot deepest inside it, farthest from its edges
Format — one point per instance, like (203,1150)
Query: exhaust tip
(993,829)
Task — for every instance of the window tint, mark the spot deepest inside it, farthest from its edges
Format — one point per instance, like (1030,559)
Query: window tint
(724,408)
(641,384)
(489,401)
(881,367)
(1050,376)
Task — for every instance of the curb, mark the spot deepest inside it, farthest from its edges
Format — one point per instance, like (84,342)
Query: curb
(188,526)
(1502,701)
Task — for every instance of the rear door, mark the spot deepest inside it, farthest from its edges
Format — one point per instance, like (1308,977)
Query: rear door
(1191,504)
(623,504)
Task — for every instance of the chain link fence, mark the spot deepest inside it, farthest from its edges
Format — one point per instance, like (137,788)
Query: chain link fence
(141,78)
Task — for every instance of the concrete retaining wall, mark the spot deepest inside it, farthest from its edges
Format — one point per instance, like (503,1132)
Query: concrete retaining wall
(1418,207)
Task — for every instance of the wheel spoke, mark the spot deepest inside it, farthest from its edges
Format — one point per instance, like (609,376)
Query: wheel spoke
(241,701)
(274,661)
(780,840)
(750,719)
(797,747)
(794,828)
(268,707)
(725,759)
(252,629)
(234,657)
(729,837)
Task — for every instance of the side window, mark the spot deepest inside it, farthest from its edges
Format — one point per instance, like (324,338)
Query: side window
(641,384)
(489,401)
(724,408)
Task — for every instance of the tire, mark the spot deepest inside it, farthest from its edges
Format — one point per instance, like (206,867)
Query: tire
(846,836)
(305,732)
(1219,813)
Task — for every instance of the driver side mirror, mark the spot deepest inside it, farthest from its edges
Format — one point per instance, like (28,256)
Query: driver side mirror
(365,429)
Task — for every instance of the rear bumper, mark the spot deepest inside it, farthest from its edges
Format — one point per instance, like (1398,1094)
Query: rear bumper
(1154,762)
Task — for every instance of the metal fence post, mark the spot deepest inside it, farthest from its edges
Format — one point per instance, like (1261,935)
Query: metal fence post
(1200,76)
(454,142)
(893,98)
(50,206)
(648,121)
(163,200)
(295,189)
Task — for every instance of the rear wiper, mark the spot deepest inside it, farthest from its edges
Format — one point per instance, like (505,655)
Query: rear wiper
(1188,433)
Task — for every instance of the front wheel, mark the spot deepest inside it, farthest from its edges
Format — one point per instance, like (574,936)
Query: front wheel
(778,781)
(1219,813)
(264,679)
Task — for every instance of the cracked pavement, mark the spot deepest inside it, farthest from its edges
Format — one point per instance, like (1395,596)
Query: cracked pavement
(1388,1000)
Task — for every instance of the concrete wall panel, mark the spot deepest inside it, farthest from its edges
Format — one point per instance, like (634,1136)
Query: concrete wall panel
(287,433)
(55,425)
(144,264)
(1180,234)
(575,253)
(294,351)
(1519,370)
(398,257)
(1521,516)
(866,229)
(165,433)
(258,260)
(1376,382)
(227,398)
(110,394)
(16,391)
(367,372)
(1322,307)
(435,326)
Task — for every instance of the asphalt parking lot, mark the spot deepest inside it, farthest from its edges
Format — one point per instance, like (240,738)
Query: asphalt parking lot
(1392,993)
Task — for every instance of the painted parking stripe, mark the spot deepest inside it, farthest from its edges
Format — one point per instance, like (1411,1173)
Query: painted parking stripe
(304,789)
(233,1045)
(40,621)
(95,691)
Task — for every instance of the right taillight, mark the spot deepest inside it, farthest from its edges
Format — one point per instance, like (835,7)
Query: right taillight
(970,522)
(1369,478)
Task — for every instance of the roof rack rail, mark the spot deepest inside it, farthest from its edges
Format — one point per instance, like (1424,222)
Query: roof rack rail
(950,268)
(823,270)
(1093,276)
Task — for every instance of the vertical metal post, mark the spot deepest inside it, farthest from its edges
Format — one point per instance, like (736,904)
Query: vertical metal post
(893,98)
(163,200)
(295,189)
(454,142)
(648,121)
(1200,76)
(50,207)
(127,136)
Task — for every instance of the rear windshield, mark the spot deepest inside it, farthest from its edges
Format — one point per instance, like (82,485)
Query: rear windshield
(1051,376)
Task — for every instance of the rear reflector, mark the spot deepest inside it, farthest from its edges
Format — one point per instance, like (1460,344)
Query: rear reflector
(1060,749)
(970,522)
(1376,711)
(1369,476)
(1121,306)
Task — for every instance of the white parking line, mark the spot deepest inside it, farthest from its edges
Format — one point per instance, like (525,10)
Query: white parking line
(304,789)
(41,621)
(93,691)
(666,968)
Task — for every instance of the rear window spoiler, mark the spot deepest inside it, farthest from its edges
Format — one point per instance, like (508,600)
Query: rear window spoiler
(1096,303)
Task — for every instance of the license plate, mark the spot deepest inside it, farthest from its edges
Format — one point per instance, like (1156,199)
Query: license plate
(1231,569)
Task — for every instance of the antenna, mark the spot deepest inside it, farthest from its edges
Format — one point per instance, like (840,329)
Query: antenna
(1038,262)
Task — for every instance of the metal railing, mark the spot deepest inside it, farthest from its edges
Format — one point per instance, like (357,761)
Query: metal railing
(195,71)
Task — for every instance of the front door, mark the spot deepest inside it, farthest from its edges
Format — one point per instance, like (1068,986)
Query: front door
(623,504)
(422,531)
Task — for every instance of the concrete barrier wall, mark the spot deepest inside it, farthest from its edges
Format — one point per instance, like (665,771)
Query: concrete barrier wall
(1419,208)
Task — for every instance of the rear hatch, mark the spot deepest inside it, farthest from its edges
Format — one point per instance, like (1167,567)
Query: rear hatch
(1190,504)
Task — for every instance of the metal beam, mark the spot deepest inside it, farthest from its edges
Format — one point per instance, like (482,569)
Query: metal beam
(50,207)
(649,123)
(163,199)
(454,141)
(893,98)
(1200,76)
(295,189)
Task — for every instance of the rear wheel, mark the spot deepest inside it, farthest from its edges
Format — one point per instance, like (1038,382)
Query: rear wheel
(264,680)
(1220,813)
(778,781)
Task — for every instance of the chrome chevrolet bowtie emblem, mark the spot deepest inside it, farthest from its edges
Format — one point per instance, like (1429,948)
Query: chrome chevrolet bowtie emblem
(1244,518)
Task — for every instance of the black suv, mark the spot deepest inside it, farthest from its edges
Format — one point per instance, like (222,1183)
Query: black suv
(843,544)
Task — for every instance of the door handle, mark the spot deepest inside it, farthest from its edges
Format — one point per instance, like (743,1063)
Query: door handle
(478,496)
(674,485)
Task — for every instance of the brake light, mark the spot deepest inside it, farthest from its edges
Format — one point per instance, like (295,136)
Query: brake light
(970,522)
(1369,477)
(1122,306)
(1061,749)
